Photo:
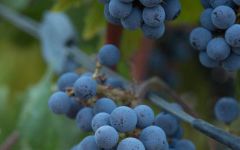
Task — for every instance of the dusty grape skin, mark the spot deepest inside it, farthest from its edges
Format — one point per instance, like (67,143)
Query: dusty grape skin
(119,9)
(232,35)
(154,138)
(200,37)
(84,119)
(145,116)
(223,17)
(104,105)
(123,119)
(106,137)
(59,103)
(99,120)
(85,87)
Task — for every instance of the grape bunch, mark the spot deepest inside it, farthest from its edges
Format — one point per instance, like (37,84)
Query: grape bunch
(218,39)
(116,124)
(149,15)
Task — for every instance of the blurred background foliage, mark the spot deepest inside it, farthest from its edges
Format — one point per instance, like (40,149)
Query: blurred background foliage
(26,82)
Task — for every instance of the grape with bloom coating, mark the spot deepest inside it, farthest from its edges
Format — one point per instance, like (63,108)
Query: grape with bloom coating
(145,116)
(59,103)
(154,138)
(104,105)
(109,55)
(67,80)
(84,119)
(123,119)
(200,37)
(99,120)
(106,137)
(130,144)
(85,87)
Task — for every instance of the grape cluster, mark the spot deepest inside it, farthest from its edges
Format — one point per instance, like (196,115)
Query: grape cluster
(149,15)
(115,125)
(218,37)
(226,110)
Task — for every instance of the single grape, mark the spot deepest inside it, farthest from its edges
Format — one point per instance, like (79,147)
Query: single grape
(216,3)
(134,20)
(109,17)
(74,109)
(154,138)
(114,82)
(106,137)
(85,87)
(206,61)
(84,119)
(154,16)
(99,120)
(67,80)
(59,103)
(223,17)
(172,9)
(109,55)
(130,144)
(123,119)
(184,145)
(106,105)
(119,9)
(200,37)
(167,122)
(153,32)
(88,143)
(145,116)
(226,109)
(206,20)
(232,63)
(232,35)
(150,3)
(218,49)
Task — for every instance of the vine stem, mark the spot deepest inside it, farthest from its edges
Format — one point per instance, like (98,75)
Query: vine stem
(10,141)
(140,59)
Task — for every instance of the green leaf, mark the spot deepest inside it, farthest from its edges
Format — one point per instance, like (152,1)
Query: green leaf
(190,13)
(35,109)
(37,124)
(65,4)
(94,21)
(4,94)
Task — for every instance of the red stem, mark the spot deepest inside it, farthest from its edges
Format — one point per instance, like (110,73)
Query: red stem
(140,59)
(114,34)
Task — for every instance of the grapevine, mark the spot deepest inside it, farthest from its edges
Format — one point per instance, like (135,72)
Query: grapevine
(115,113)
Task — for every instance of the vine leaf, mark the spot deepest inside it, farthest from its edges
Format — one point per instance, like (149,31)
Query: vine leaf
(36,122)
(65,4)
(94,21)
